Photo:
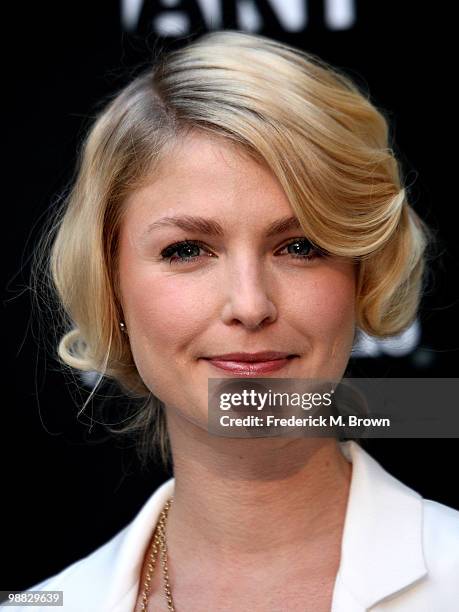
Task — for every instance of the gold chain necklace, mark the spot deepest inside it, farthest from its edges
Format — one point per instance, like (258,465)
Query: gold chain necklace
(159,543)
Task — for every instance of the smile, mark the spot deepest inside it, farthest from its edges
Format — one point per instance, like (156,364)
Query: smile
(246,368)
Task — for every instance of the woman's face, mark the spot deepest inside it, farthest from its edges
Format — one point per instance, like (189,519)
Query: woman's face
(238,291)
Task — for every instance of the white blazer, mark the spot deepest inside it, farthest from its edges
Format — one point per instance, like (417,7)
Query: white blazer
(399,552)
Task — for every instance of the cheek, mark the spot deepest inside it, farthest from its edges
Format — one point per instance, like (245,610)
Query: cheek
(327,303)
(165,316)
(165,311)
(338,306)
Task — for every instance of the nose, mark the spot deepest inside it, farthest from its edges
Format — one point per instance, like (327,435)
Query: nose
(247,299)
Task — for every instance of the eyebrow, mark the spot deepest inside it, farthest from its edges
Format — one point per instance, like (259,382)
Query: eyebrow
(211,227)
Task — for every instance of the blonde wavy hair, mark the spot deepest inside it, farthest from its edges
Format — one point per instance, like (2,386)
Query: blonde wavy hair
(323,139)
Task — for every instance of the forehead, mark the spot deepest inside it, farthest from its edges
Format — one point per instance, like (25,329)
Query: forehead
(200,153)
(209,175)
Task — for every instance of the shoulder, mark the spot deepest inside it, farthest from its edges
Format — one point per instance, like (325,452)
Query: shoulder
(98,564)
(441,538)
(412,562)
(107,578)
(438,589)
(83,581)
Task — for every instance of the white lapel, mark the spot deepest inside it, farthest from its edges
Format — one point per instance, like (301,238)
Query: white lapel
(130,549)
(381,549)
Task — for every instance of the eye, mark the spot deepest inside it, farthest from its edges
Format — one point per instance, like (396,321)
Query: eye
(305,251)
(188,251)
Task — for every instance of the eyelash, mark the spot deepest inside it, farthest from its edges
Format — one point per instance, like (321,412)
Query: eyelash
(166,254)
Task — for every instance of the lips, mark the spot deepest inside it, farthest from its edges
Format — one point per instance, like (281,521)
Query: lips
(252,357)
(250,368)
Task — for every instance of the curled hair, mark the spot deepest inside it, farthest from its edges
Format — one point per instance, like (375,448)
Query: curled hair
(320,135)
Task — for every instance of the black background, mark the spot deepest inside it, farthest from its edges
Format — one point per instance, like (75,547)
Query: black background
(66,490)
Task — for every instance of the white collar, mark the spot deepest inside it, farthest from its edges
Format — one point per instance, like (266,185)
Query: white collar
(381,550)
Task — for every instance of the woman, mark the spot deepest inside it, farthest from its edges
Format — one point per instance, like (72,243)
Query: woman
(241,197)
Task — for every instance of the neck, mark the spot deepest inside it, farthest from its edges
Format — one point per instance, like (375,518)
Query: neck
(253,499)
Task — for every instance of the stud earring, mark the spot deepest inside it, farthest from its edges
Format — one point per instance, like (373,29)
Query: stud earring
(123,327)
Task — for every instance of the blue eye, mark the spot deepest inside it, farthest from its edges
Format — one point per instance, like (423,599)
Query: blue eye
(186,247)
(311,251)
(188,251)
